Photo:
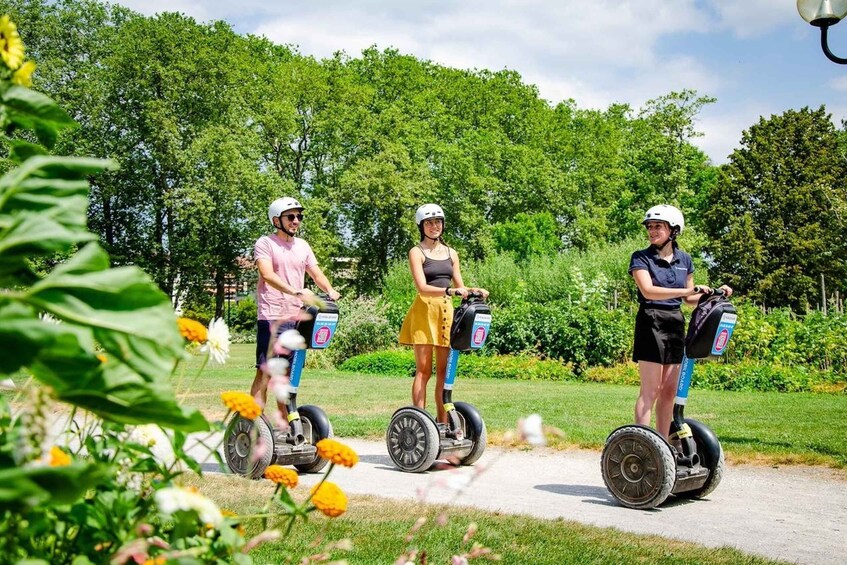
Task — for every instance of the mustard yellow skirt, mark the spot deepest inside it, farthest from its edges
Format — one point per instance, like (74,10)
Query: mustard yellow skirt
(428,322)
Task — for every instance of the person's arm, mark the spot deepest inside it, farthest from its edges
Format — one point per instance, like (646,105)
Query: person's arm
(416,259)
(322,281)
(653,292)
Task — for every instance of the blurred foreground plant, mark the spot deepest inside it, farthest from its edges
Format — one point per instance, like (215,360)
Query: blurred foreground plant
(94,441)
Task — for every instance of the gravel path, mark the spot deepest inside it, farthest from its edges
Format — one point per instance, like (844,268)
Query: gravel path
(797,514)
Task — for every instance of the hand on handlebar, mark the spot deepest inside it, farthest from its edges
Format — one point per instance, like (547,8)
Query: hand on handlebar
(333,295)
(461,291)
(310,298)
(723,290)
(479,292)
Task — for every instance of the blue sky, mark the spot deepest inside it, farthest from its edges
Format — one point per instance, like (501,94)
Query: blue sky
(757,57)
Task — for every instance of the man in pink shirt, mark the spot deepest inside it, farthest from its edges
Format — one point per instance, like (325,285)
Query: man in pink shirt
(283,261)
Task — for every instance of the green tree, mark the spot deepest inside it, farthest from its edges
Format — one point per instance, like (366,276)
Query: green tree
(778,212)
(527,235)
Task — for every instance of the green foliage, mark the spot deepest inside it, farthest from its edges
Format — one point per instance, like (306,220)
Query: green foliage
(243,315)
(777,214)
(394,362)
(527,235)
(362,328)
(518,367)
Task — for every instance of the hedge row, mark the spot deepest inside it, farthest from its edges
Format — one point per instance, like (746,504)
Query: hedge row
(521,367)
(744,376)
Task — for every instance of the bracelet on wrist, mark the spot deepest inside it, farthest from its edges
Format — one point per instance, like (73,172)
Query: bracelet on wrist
(447,291)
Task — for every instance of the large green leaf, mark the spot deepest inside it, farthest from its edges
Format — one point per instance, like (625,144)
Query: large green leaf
(48,485)
(34,111)
(112,390)
(56,185)
(62,356)
(36,235)
(131,318)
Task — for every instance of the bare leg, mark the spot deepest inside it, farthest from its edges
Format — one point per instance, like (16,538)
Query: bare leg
(423,370)
(259,391)
(665,400)
(259,388)
(441,354)
(651,381)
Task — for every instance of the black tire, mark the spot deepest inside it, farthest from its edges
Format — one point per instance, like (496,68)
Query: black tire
(316,426)
(638,467)
(240,440)
(412,440)
(473,427)
(711,457)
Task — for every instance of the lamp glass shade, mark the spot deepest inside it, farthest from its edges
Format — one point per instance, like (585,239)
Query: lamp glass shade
(814,10)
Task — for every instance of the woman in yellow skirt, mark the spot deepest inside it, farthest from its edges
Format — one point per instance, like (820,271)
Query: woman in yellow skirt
(435,270)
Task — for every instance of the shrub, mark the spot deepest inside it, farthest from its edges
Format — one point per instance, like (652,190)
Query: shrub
(520,367)
(362,328)
(394,362)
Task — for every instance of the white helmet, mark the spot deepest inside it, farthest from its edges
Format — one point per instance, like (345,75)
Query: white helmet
(280,205)
(666,213)
(428,211)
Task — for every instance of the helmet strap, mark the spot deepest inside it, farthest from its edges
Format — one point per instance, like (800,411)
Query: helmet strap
(281,227)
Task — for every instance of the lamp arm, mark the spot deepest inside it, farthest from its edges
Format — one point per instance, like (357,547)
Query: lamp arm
(825,46)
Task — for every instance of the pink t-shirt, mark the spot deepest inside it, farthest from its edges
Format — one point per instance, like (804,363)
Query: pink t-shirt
(290,261)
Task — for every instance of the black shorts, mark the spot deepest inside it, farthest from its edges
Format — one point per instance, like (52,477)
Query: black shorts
(659,336)
(263,340)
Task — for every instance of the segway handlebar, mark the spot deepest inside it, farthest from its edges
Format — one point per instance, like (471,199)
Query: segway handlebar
(474,294)
(714,292)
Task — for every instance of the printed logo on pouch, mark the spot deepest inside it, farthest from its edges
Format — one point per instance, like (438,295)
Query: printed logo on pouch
(720,341)
(322,336)
(479,336)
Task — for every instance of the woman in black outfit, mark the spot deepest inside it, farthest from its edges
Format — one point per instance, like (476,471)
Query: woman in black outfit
(664,275)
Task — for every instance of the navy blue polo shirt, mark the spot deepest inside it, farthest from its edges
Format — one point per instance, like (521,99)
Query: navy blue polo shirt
(663,274)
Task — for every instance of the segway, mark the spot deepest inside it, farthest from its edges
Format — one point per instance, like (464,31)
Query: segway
(640,468)
(414,439)
(307,425)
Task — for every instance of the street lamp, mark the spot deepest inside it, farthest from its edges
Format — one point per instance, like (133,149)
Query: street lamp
(822,14)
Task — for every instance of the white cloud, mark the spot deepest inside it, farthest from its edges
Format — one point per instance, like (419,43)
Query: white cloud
(749,18)
(839,84)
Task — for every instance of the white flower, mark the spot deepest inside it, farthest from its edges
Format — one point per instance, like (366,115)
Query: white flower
(532,430)
(291,340)
(8,384)
(154,438)
(279,384)
(173,499)
(217,342)
(277,366)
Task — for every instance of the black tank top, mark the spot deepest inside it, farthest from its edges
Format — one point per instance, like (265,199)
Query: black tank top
(438,272)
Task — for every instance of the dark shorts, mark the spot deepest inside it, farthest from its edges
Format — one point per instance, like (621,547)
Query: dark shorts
(659,336)
(263,340)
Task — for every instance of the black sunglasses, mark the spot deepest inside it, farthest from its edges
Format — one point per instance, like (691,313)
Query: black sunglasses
(292,217)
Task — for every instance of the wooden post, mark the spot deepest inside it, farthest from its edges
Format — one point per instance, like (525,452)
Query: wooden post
(823,295)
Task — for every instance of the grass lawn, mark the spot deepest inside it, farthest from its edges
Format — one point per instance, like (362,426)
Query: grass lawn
(759,427)
(378,530)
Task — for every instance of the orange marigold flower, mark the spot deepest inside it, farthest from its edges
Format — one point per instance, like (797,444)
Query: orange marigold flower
(282,476)
(336,452)
(58,458)
(329,499)
(156,561)
(192,330)
(242,403)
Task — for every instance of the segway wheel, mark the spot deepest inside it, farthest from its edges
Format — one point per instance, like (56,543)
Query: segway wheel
(316,426)
(711,457)
(412,440)
(474,428)
(638,467)
(241,446)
